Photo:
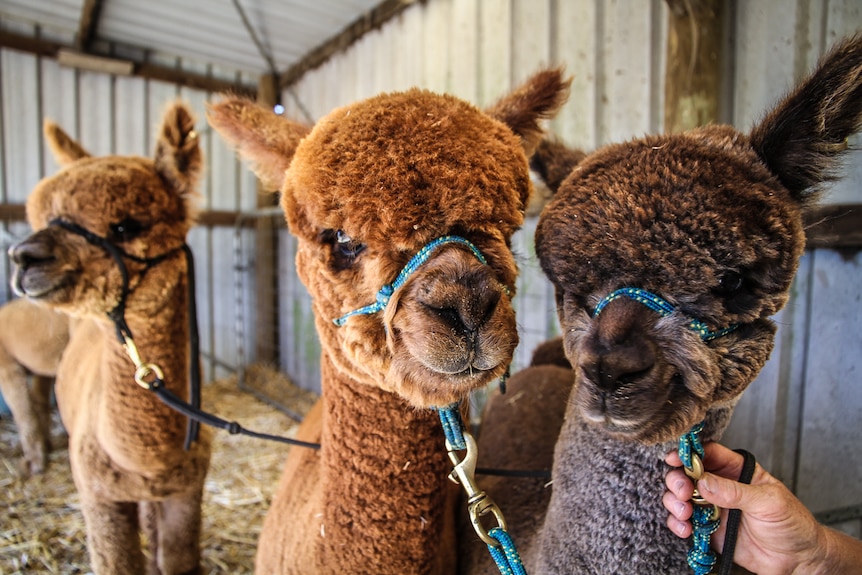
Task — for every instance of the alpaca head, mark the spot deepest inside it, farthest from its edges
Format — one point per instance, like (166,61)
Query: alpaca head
(371,185)
(141,206)
(708,220)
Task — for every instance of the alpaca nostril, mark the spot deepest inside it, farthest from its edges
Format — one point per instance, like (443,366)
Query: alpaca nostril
(450,316)
(609,368)
(28,253)
(609,376)
(478,309)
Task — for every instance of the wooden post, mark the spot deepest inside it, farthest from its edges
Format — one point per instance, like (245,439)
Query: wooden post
(267,343)
(694,55)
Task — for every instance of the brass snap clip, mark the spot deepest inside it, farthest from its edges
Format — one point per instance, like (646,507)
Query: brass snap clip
(479,503)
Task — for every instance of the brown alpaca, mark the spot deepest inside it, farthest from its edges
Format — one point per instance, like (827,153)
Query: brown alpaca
(125,446)
(711,221)
(32,339)
(367,188)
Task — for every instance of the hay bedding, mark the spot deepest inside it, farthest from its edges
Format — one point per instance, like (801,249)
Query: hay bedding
(42,529)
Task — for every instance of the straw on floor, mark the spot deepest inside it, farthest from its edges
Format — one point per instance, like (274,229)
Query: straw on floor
(42,530)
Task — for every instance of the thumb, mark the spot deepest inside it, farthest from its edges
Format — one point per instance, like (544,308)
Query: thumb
(725,492)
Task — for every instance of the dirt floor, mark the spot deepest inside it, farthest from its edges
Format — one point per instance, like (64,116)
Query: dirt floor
(42,530)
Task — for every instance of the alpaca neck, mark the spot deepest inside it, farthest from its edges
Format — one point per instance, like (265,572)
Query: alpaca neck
(384,470)
(605,514)
(135,426)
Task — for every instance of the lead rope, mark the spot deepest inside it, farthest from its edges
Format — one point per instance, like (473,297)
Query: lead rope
(150,376)
(734,516)
(705,517)
(118,314)
(479,504)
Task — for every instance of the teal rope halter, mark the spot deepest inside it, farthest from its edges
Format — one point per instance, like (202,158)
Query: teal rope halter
(705,518)
(663,308)
(500,545)
(385,293)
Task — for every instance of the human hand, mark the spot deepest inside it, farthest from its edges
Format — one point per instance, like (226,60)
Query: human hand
(777,534)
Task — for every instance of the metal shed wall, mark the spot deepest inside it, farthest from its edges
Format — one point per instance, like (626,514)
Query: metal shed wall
(801,417)
(119,115)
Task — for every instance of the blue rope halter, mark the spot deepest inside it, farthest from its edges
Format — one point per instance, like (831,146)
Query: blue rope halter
(705,518)
(457,438)
(663,308)
(385,293)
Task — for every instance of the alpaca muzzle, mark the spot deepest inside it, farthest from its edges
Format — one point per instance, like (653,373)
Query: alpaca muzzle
(385,293)
(37,270)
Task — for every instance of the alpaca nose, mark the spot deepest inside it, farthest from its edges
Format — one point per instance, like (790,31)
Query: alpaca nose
(618,350)
(464,298)
(31,251)
(470,306)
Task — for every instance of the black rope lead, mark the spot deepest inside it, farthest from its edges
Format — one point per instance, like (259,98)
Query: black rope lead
(734,516)
(193,428)
(176,403)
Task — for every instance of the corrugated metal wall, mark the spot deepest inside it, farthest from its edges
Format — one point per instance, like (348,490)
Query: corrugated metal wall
(801,417)
(120,115)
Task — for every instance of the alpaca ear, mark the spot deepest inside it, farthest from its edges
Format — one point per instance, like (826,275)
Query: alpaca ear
(65,149)
(178,156)
(803,139)
(538,98)
(262,138)
(553,161)
(550,164)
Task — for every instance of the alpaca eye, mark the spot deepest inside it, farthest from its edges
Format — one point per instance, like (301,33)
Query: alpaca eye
(126,230)
(346,246)
(730,283)
(344,249)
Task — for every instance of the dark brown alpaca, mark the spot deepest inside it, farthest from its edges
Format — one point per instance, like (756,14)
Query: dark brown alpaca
(711,221)
(367,188)
(125,446)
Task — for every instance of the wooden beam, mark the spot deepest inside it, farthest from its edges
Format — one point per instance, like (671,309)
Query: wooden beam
(29,44)
(217,219)
(831,226)
(88,24)
(206,218)
(835,226)
(48,49)
(191,80)
(12,213)
(371,20)
(85,61)
(694,56)
(266,301)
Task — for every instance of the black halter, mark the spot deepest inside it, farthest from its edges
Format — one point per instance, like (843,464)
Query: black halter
(118,314)
(190,409)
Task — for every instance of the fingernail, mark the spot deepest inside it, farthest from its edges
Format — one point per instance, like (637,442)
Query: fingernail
(680,507)
(680,483)
(705,483)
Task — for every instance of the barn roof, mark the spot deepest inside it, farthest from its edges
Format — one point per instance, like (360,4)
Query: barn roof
(234,40)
